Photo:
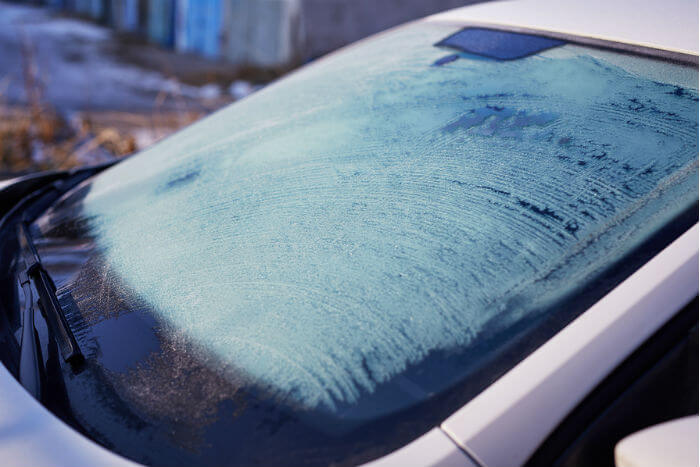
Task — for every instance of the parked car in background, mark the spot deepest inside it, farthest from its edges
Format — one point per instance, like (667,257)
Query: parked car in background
(468,241)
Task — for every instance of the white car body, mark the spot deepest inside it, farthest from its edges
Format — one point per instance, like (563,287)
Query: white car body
(673,443)
(506,423)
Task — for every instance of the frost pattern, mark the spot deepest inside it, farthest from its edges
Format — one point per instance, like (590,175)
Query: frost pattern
(338,226)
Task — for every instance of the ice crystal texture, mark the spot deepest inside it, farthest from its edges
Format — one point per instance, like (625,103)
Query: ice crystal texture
(327,232)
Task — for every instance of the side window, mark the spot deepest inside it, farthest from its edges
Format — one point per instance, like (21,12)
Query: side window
(659,382)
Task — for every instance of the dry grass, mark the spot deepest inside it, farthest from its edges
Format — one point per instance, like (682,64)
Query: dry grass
(40,140)
(37,137)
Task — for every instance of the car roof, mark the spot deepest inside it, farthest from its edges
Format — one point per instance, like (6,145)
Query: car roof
(670,25)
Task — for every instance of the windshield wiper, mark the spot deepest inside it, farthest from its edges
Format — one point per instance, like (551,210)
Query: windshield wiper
(29,359)
(31,366)
(34,272)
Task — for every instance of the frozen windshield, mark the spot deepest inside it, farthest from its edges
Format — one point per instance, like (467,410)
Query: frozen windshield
(359,237)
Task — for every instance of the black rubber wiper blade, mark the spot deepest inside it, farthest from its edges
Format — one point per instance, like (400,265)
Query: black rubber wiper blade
(35,272)
(29,359)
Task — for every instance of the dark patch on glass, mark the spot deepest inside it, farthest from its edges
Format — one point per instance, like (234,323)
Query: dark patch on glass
(571,226)
(498,45)
(544,212)
(494,190)
(488,96)
(681,92)
(564,141)
(446,60)
(636,105)
(500,120)
(178,180)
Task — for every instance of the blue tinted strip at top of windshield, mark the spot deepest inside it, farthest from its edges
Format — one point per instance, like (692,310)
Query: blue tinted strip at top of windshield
(500,45)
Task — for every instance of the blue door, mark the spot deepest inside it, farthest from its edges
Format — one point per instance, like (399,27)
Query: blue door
(200,23)
(161,18)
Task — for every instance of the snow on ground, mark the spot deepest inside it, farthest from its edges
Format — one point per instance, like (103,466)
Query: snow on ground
(78,65)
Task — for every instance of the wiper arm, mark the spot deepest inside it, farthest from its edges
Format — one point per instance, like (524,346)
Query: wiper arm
(46,289)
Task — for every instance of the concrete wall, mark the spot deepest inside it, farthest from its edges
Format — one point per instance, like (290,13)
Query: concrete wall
(263,32)
(330,24)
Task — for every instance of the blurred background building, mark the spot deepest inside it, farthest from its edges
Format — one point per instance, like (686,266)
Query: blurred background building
(277,33)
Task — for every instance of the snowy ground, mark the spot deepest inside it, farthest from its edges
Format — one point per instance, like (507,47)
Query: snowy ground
(82,65)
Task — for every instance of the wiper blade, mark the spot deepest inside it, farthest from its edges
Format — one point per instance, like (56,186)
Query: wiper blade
(31,362)
(35,272)
(29,359)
